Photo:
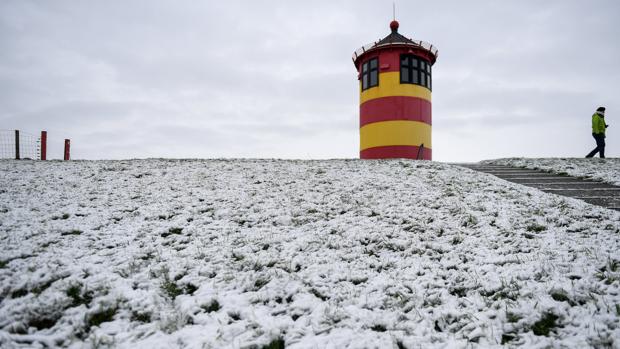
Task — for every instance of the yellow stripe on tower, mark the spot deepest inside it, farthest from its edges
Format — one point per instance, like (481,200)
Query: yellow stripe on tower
(397,132)
(389,85)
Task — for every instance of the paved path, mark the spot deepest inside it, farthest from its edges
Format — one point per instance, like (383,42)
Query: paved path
(597,193)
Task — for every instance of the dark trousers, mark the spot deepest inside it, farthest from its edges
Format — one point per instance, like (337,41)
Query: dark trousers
(600,146)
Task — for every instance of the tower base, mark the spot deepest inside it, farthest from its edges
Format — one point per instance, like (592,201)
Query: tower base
(397,152)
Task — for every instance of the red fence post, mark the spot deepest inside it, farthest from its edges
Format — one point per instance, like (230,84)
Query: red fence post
(16,144)
(67,146)
(43,145)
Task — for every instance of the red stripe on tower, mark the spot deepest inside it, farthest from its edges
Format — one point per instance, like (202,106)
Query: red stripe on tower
(397,151)
(396,108)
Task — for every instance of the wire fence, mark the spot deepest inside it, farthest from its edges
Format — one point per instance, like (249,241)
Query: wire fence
(29,145)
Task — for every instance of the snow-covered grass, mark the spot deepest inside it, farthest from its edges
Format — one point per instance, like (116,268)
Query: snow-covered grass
(604,170)
(299,254)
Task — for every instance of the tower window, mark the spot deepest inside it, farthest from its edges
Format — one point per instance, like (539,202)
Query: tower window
(414,70)
(370,74)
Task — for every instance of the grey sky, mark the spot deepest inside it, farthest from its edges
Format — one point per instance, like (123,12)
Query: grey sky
(126,79)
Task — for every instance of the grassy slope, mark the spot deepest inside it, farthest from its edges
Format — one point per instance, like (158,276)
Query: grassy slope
(306,253)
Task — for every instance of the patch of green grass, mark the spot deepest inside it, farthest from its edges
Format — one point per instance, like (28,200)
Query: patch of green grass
(560,296)
(536,228)
(458,291)
(431,302)
(457,240)
(543,326)
(440,232)
(147,256)
(237,256)
(379,328)
(512,317)
(508,337)
(275,344)
(20,292)
(318,294)
(211,307)
(140,317)
(65,216)
(45,321)
(101,316)
(78,296)
(172,231)
(190,289)
(358,280)
(608,272)
(170,288)
(260,282)
(613,265)
(206,210)
(71,232)
(505,292)
(3,264)
(42,287)
(470,221)
(257,266)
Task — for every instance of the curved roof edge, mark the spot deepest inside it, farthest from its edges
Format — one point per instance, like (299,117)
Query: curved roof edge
(419,44)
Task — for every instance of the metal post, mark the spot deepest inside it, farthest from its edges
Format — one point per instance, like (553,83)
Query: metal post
(43,145)
(16,144)
(67,149)
(420,155)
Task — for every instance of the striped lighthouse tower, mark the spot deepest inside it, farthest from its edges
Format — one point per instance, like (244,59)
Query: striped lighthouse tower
(395,97)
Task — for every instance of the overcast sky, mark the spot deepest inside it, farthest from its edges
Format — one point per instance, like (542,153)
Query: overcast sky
(263,79)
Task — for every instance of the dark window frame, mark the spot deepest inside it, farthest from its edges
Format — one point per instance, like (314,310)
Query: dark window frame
(415,70)
(368,71)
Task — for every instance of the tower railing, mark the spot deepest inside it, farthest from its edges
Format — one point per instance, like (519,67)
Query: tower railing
(415,43)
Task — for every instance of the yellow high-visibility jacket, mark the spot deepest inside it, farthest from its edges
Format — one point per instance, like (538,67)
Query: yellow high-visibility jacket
(598,124)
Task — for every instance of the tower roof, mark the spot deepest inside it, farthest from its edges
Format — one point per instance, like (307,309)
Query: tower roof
(395,39)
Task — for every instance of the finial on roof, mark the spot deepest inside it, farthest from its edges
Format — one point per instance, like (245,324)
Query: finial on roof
(394,25)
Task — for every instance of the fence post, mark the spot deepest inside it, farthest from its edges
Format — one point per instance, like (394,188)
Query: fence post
(43,145)
(16,144)
(67,149)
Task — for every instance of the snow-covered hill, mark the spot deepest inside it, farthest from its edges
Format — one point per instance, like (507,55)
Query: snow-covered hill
(604,170)
(298,254)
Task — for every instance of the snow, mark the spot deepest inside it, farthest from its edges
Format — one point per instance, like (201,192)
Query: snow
(604,170)
(311,254)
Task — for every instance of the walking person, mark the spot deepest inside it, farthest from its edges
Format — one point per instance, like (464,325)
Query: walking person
(598,132)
